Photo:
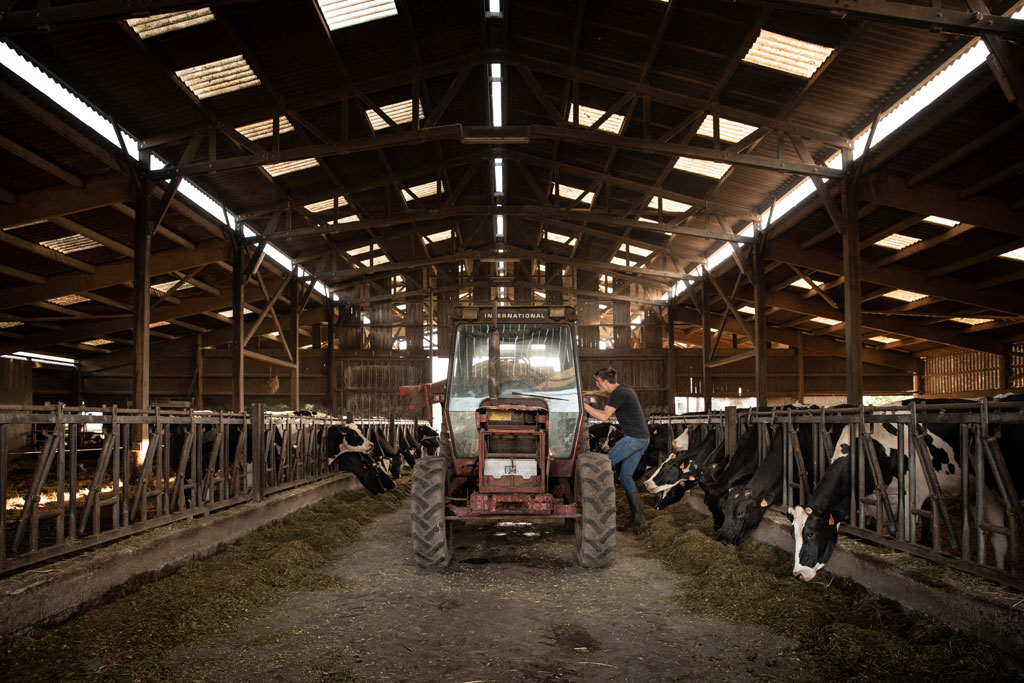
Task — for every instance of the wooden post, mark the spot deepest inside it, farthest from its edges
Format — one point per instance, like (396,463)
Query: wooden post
(731,423)
(141,296)
(852,296)
(332,399)
(259,462)
(670,361)
(760,328)
(198,403)
(237,329)
(801,388)
(293,334)
(705,336)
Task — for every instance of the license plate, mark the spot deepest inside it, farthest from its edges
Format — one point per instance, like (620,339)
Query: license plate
(510,467)
(499,415)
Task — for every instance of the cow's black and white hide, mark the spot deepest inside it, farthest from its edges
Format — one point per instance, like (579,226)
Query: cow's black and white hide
(679,473)
(427,439)
(603,436)
(816,526)
(408,449)
(384,452)
(740,467)
(350,450)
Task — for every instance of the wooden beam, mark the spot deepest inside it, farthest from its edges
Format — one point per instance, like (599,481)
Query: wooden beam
(141,297)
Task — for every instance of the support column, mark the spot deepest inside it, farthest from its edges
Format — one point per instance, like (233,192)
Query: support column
(332,399)
(198,402)
(141,296)
(801,387)
(761,344)
(293,336)
(705,337)
(852,296)
(237,328)
(670,361)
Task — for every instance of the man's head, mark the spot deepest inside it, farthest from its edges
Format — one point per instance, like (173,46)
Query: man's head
(605,379)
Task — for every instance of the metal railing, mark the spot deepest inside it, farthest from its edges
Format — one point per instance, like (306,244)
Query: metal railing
(922,512)
(95,475)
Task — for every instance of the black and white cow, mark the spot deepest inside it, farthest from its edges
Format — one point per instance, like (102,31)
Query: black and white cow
(603,436)
(384,452)
(745,505)
(351,451)
(679,473)
(816,526)
(427,439)
(716,481)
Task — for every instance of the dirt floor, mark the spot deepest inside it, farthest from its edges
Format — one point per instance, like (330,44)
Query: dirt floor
(332,594)
(513,606)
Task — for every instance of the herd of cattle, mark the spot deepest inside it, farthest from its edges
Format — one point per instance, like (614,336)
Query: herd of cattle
(739,487)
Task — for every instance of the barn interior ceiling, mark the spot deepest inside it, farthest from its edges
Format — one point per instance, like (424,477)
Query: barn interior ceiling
(575,151)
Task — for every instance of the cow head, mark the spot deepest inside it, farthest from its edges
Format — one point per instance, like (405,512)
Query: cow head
(669,497)
(366,471)
(670,473)
(743,512)
(814,534)
(347,438)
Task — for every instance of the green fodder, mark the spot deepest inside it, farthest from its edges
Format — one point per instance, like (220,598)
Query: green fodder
(122,639)
(842,632)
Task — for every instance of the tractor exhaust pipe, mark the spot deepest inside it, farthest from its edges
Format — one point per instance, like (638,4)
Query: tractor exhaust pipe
(493,354)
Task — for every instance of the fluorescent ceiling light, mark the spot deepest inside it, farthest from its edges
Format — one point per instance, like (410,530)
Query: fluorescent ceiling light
(70,244)
(939,220)
(399,112)
(904,295)
(730,131)
(344,13)
(790,55)
(570,192)
(712,169)
(424,190)
(668,205)
(265,129)
(290,166)
(218,78)
(897,241)
(147,27)
(589,115)
(325,205)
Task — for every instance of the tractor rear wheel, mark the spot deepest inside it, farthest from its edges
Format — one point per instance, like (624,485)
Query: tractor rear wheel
(431,533)
(595,494)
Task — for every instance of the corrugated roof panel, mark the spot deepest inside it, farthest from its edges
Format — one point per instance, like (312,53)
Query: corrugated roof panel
(343,13)
(70,244)
(668,205)
(147,27)
(730,131)
(399,112)
(897,241)
(904,295)
(783,53)
(67,300)
(589,115)
(264,129)
(711,169)
(570,192)
(290,166)
(325,205)
(424,190)
(219,77)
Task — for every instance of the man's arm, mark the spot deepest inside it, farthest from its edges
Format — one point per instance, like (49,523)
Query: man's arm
(602,414)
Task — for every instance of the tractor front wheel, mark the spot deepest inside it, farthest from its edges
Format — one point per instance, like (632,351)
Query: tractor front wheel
(431,533)
(595,495)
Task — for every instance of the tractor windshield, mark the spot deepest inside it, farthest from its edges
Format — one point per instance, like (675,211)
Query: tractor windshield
(537,360)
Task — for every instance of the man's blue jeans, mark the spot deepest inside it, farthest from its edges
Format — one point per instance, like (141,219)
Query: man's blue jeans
(627,450)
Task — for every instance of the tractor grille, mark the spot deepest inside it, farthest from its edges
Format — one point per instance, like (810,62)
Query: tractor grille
(512,443)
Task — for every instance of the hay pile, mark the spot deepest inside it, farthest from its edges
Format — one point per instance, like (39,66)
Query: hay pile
(122,639)
(843,632)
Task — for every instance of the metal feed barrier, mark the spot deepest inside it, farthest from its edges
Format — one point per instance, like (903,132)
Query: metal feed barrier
(958,527)
(94,475)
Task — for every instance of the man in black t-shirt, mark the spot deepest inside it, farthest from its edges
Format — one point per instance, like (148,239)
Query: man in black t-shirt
(625,406)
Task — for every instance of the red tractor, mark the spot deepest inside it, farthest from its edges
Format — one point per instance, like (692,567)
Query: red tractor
(512,442)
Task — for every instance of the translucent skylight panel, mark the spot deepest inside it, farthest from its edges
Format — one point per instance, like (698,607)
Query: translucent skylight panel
(230,313)
(424,190)
(638,251)
(378,260)
(904,295)
(325,205)
(619,261)
(589,115)
(147,27)
(6,324)
(437,237)
(939,220)
(561,239)
(160,323)
(67,300)
(749,310)
(265,129)
(354,218)
(97,342)
(290,166)
(711,169)
(1016,254)
(884,340)
(897,241)
(70,244)
(570,192)
(344,13)
(361,250)
(826,321)
(668,205)
(783,53)
(165,287)
(730,131)
(972,321)
(399,112)
(802,283)
(218,78)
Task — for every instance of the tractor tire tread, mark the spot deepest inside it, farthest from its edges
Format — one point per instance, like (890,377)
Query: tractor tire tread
(431,533)
(595,538)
